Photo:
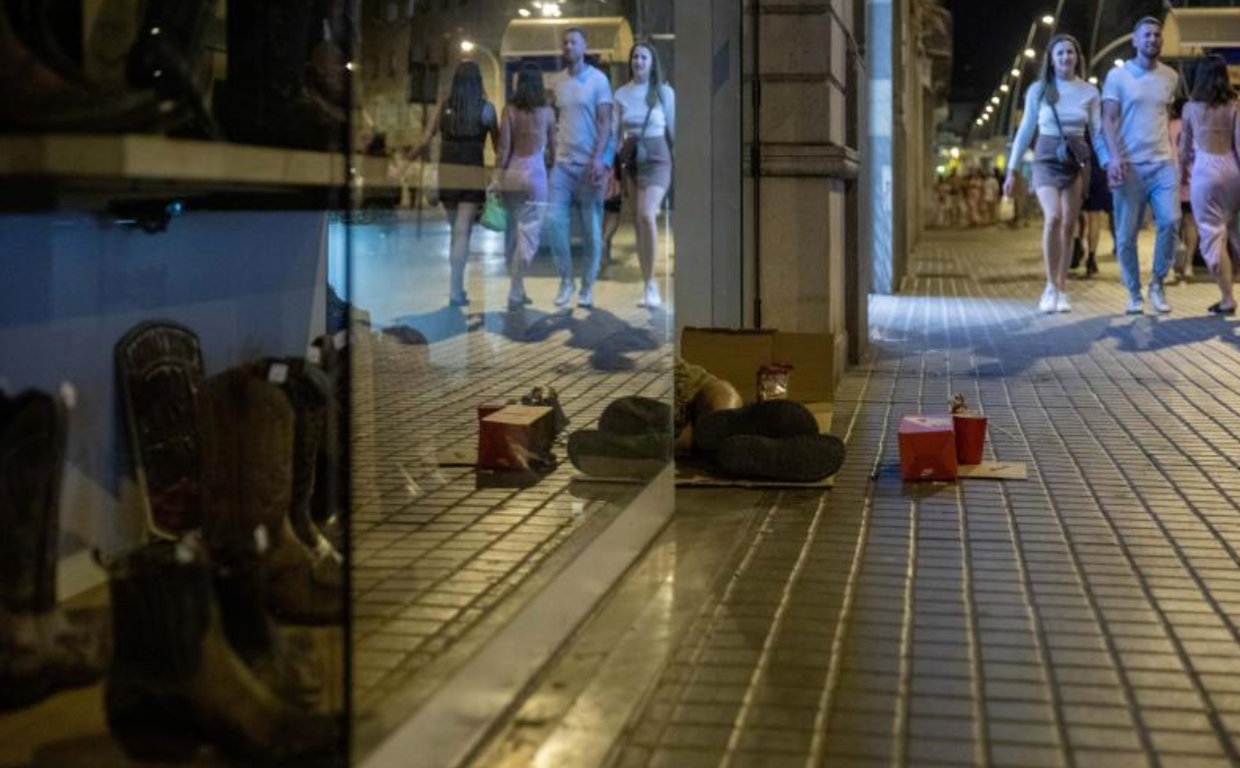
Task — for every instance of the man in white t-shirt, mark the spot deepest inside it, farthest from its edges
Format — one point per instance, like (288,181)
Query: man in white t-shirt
(1136,103)
(581,95)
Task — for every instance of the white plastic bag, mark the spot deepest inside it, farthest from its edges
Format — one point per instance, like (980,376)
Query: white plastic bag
(1007,209)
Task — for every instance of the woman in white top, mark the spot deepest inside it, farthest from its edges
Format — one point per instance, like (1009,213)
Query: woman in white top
(645,124)
(1059,107)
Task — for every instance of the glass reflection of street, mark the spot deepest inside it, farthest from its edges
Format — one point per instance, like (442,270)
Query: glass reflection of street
(400,274)
(442,549)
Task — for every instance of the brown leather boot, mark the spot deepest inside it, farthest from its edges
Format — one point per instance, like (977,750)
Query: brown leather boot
(41,650)
(285,660)
(160,375)
(175,681)
(249,492)
(309,390)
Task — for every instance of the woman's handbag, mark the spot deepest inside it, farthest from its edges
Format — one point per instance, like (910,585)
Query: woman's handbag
(494,216)
(1064,153)
(633,153)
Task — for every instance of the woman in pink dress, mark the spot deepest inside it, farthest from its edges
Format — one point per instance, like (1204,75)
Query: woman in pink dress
(1210,135)
(527,139)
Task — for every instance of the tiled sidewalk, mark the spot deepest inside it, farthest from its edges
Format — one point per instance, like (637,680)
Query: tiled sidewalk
(437,551)
(1086,617)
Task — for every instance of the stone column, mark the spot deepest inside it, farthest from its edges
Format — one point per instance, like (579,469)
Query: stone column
(805,167)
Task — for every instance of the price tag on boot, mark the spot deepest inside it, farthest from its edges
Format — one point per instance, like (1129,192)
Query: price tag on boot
(277,373)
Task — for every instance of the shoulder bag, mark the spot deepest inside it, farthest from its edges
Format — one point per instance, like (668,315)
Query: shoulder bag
(1064,153)
(633,152)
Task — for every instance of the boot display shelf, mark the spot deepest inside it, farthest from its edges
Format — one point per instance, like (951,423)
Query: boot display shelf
(130,163)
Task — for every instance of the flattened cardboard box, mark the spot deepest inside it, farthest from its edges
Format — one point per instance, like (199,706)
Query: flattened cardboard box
(736,356)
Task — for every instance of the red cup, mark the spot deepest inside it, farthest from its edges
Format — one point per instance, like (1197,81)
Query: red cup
(970,437)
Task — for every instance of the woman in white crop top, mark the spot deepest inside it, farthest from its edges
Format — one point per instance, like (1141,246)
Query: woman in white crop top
(645,121)
(1059,106)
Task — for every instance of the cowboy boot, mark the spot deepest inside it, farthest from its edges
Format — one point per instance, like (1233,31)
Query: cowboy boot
(41,650)
(175,682)
(326,501)
(250,483)
(309,392)
(288,664)
(160,376)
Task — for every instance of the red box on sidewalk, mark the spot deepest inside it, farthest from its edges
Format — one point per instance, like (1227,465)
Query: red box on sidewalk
(515,437)
(927,448)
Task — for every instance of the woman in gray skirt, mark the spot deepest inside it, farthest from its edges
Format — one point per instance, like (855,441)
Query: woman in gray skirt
(1059,108)
(645,122)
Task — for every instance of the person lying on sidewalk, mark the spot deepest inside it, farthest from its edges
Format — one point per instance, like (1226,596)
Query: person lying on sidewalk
(772,440)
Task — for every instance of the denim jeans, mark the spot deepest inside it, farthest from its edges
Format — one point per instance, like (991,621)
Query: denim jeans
(1154,184)
(572,186)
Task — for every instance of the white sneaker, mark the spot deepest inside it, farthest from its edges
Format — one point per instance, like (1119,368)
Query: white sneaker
(1049,299)
(565,294)
(1062,304)
(1158,300)
(652,300)
(585,299)
(1135,306)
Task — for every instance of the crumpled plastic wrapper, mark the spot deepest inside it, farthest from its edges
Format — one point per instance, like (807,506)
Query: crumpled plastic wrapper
(774,382)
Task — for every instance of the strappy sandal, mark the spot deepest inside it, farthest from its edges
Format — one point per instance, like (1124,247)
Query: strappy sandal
(1217,309)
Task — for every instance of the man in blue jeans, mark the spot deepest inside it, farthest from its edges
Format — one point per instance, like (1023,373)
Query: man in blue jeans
(581,95)
(1136,102)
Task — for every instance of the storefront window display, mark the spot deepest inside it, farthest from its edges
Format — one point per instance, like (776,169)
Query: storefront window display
(173,394)
(513,396)
(332,330)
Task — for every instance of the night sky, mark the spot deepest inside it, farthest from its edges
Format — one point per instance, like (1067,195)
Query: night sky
(987,34)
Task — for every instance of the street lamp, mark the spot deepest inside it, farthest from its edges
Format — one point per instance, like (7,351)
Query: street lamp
(1015,72)
(1048,20)
(1030,53)
(1005,87)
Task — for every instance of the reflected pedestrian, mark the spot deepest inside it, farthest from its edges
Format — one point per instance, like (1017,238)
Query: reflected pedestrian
(528,131)
(582,99)
(645,125)
(464,121)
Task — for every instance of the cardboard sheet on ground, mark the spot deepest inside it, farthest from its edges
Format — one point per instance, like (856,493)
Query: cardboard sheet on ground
(692,475)
(994,470)
(457,457)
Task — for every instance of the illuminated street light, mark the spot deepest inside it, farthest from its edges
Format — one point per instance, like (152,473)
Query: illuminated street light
(1004,88)
(1030,53)
(467,46)
(994,100)
(1048,20)
(1119,62)
(1093,80)
(1015,72)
